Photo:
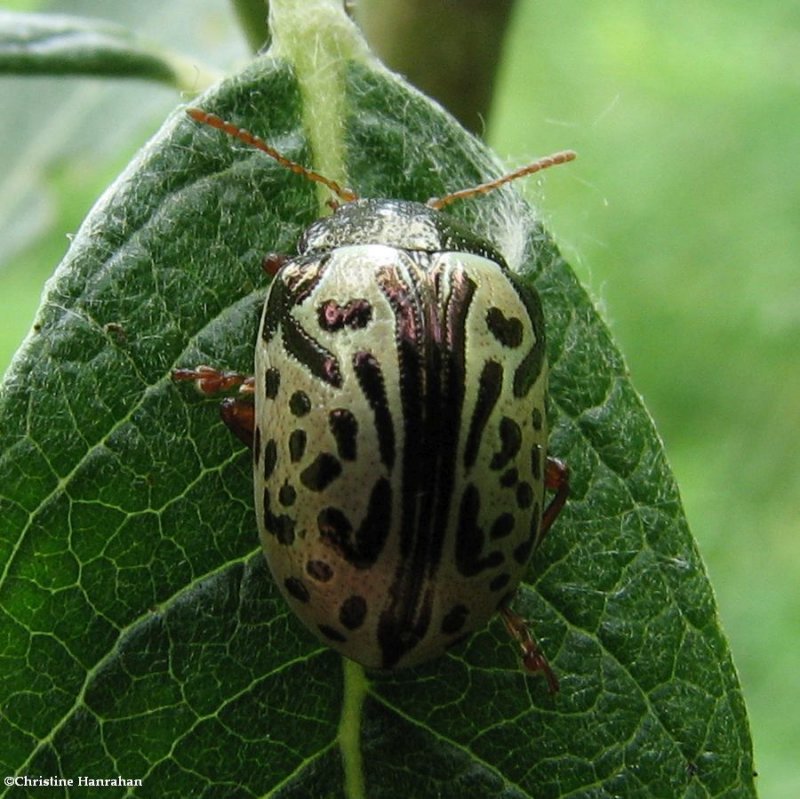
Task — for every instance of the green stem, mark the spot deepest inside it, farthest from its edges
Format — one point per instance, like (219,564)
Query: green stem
(355,689)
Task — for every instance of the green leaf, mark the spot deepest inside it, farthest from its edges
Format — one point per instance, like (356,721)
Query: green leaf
(52,44)
(142,635)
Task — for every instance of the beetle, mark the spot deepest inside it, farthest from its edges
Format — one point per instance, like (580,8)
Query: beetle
(397,425)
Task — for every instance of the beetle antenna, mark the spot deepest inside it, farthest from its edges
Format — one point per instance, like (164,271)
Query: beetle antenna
(212,120)
(555,159)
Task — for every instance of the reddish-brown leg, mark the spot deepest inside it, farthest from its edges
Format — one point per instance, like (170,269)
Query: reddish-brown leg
(556,478)
(238,413)
(272,262)
(532,657)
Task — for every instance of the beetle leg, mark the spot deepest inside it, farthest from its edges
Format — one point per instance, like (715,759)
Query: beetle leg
(238,413)
(272,262)
(556,479)
(532,656)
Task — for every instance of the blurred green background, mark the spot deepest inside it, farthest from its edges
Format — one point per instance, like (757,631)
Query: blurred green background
(682,217)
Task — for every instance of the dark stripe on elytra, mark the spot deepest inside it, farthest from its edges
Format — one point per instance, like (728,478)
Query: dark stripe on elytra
(470,538)
(507,331)
(528,372)
(430,313)
(490,384)
(510,442)
(362,548)
(288,290)
(345,429)
(370,378)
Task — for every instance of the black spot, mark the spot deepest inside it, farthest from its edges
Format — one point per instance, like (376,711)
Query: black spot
(297,445)
(454,619)
(530,369)
(353,611)
(499,582)
(333,525)
(510,442)
(537,419)
(344,428)
(279,525)
(319,474)
(272,382)
(524,495)
(270,458)
(507,331)
(509,478)
(295,588)
(536,462)
(319,570)
(287,495)
(490,385)
(503,525)
(257,446)
(299,404)
(333,635)
(523,551)
(332,316)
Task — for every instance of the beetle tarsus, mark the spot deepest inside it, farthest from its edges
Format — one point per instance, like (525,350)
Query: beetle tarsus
(532,656)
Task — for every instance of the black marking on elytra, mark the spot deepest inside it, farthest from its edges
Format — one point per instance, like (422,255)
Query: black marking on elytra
(508,331)
(331,633)
(536,461)
(523,551)
(524,495)
(299,403)
(430,303)
(529,370)
(270,458)
(356,314)
(278,524)
(272,382)
(295,588)
(321,472)
(470,538)
(490,384)
(370,378)
(362,548)
(290,288)
(353,611)
(500,582)
(287,495)
(344,427)
(510,442)
(454,619)
(537,419)
(319,570)
(297,445)
(502,526)
(257,446)
(509,479)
